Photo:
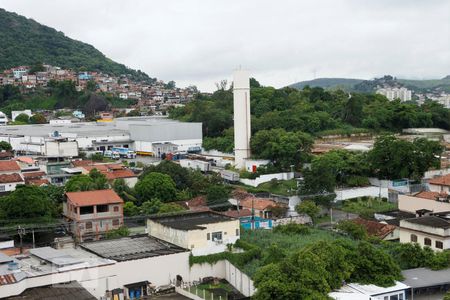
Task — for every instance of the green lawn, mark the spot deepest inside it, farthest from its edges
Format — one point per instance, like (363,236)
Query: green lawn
(278,187)
(367,207)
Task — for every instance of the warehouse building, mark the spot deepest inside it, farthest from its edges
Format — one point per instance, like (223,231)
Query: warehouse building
(141,134)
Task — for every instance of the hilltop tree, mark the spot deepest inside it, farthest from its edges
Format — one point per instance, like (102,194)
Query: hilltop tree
(308,207)
(156,185)
(37,119)
(5,146)
(22,118)
(284,149)
(393,158)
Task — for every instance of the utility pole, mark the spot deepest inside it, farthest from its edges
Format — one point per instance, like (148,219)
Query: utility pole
(34,241)
(21,233)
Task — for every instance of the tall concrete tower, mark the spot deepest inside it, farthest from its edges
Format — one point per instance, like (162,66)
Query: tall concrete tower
(242,127)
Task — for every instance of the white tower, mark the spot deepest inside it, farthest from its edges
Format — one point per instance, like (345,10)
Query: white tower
(242,127)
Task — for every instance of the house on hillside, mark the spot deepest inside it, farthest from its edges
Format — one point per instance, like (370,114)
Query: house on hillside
(111,171)
(432,230)
(203,232)
(93,213)
(382,231)
(9,182)
(440,184)
(9,167)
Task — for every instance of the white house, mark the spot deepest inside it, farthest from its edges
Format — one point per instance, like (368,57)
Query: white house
(203,232)
(8,182)
(432,231)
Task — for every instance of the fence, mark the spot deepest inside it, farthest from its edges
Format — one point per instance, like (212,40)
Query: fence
(266,178)
(241,281)
(193,292)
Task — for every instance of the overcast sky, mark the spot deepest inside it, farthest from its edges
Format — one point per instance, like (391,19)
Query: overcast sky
(201,41)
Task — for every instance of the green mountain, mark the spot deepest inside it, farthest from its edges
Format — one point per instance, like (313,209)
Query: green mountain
(328,83)
(26,42)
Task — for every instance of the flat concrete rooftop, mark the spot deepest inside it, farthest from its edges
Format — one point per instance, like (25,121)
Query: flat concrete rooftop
(191,220)
(133,247)
(117,127)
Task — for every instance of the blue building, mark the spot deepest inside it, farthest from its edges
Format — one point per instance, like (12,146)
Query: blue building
(258,223)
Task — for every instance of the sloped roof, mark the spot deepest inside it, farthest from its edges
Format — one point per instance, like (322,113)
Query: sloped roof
(38,182)
(124,173)
(89,198)
(375,228)
(9,178)
(238,213)
(257,203)
(9,165)
(442,180)
(430,195)
(33,174)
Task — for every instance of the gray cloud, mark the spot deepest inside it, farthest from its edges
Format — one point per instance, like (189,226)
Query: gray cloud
(200,42)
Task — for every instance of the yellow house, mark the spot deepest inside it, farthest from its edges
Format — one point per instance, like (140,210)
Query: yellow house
(203,232)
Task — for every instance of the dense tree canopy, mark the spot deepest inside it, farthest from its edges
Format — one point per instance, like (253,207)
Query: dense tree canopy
(311,110)
(312,272)
(393,158)
(156,185)
(27,202)
(94,181)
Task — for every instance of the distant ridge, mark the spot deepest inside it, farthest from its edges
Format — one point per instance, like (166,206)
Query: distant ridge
(328,83)
(360,85)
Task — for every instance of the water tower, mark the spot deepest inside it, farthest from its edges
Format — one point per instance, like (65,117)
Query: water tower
(242,127)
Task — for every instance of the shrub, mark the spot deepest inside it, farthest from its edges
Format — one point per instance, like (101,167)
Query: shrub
(292,228)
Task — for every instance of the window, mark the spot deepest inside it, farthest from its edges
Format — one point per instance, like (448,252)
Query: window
(439,244)
(427,241)
(88,225)
(394,297)
(2,188)
(115,222)
(102,208)
(116,209)
(208,236)
(85,210)
(237,232)
(413,238)
(217,236)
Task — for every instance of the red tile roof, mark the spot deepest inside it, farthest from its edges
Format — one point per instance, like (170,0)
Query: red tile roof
(431,195)
(89,198)
(37,174)
(5,154)
(7,279)
(443,180)
(257,203)
(10,178)
(125,173)
(80,163)
(238,214)
(375,228)
(9,165)
(38,182)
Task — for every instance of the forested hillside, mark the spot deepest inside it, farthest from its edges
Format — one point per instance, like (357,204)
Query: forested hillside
(285,117)
(26,42)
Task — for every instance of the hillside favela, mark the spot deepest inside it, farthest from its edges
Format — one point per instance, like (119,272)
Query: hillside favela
(224,150)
